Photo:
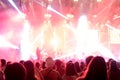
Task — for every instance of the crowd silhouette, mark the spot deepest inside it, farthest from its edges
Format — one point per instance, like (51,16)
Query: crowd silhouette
(92,68)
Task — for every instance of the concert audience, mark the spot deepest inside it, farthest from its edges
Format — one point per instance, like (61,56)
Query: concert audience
(92,68)
(60,67)
(30,70)
(71,73)
(113,72)
(49,73)
(77,68)
(37,71)
(15,71)
(96,70)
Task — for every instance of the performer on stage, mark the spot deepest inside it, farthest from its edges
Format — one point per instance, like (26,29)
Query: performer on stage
(38,54)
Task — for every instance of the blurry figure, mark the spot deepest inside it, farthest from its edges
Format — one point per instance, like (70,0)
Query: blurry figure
(88,59)
(38,53)
(3,64)
(1,72)
(113,72)
(96,70)
(82,66)
(43,65)
(15,71)
(22,62)
(37,70)
(9,62)
(49,73)
(30,70)
(77,68)
(71,73)
(60,67)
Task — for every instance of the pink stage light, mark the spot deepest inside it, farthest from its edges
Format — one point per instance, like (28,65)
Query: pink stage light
(14,5)
(6,44)
(51,9)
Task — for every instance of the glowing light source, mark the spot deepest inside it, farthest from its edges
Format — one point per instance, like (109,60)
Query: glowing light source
(75,0)
(25,42)
(47,16)
(51,9)
(105,52)
(70,16)
(14,5)
(50,0)
(81,31)
(42,39)
(55,41)
(99,0)
(116,17)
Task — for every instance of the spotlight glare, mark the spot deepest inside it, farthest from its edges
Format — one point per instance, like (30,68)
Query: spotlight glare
(82,32)
(105,52)
(51,9)
(14,5)
(55,42)
(99,0)
(75,0)
(26,51)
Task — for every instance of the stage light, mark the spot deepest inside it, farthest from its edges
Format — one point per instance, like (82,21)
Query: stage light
(82,32)
(106,53)
(50,0)
(99,0)
(75,0)
(14,5)
(51,9)
(41,3)
(111,27)
(47,16)
(70,16)
(42,39)
(55,41)
(116,17)
(26,51)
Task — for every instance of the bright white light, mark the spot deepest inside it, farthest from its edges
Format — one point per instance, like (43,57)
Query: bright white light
(116,17)
(83,22)
(81,33)
(14,5)
(92,40)
(99,0)
(55,42)
(51,9)
(75,0)
(42,39)
(25,42)
(50,0)
(105,52)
